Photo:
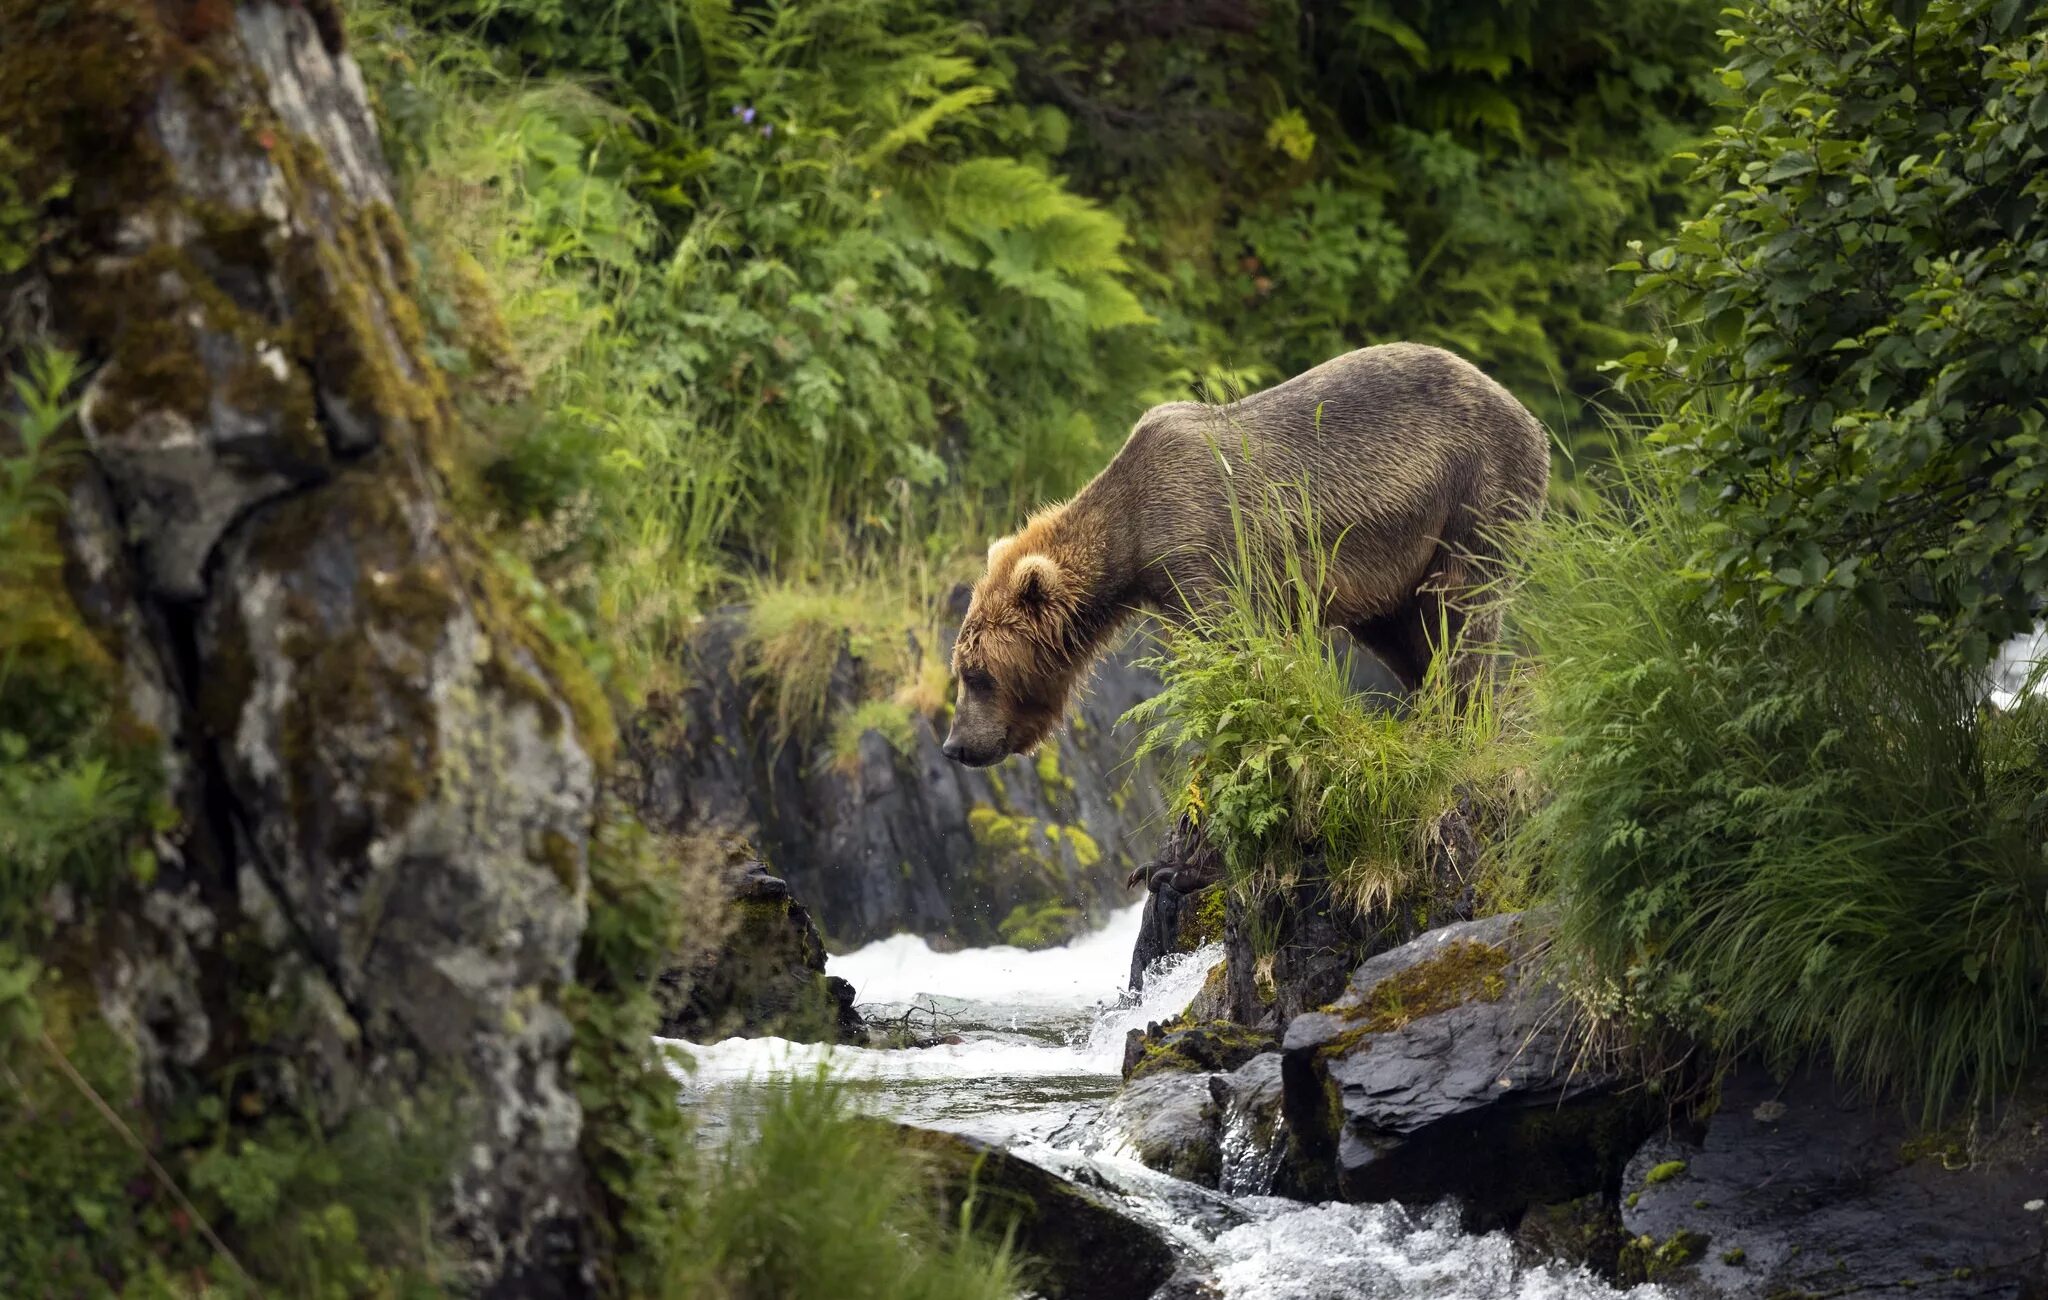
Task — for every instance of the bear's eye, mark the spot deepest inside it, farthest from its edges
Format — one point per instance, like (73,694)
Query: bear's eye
(974,679)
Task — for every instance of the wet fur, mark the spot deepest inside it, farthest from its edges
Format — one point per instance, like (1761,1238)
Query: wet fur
(1414,461)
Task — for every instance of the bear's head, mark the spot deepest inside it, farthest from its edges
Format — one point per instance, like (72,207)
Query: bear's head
(1016,658)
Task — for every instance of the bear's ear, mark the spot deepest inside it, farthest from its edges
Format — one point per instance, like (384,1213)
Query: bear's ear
(997,547)
(1040,583)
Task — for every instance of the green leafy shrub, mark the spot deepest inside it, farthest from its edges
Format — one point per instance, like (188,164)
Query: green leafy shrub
(1797,840)
(858,279)
(1857,388)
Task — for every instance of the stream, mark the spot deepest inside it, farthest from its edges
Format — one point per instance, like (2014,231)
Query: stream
(1040,1054)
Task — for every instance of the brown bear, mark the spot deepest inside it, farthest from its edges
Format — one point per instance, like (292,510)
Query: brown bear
(1411,462)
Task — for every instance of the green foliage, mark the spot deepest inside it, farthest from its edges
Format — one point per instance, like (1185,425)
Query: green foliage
(859,286)
(1280,757)
(892,720)
(1796,840)
(1857,387)
(1311,176)
(76,783)
(779,1221)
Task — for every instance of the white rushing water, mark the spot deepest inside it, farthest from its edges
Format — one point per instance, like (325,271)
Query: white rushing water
(1039,1050)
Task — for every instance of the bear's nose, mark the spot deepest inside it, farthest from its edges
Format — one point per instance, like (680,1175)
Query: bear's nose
(952,749)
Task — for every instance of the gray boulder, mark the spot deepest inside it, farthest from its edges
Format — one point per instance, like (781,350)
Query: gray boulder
(385,774)
(1080,1245)
(1217,1129)
(1798,1189)
(1443,1070)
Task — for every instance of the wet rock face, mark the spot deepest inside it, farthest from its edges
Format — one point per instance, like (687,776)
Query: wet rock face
(1084,1248)
(1293,950)
(768,977)
(1443,1069)
(386,795)
(1797,1189)
(1027,851)
(1220,1129)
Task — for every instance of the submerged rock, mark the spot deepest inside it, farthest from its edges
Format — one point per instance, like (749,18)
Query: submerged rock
(889,838)
(766,978)
(1081,1246)
(1797,1189)
(1444,1070)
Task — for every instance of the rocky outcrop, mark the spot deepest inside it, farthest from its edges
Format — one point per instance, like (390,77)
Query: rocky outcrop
(1444,1070)
(1034,849)
(1183,901)
(1081,1246)
(1799,1189)
(767,976)
(383,776)
(1293,949)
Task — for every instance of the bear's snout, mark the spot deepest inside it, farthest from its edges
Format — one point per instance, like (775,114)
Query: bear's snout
(969,756)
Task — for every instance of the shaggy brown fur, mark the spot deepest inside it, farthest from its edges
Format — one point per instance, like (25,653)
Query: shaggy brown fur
(1413,464)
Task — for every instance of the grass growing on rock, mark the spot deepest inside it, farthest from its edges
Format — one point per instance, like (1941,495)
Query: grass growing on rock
(797,634)
(1794,840)
(1280,758)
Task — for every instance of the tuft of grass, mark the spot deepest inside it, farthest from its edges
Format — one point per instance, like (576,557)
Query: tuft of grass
(1280,758)
(890,717)
(777,1219)
(1797,841)
(797,632)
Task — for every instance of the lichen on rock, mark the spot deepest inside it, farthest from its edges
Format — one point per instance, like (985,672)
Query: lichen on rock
(386,778)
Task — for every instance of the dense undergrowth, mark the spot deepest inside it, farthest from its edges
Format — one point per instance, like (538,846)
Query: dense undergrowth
(1780,839)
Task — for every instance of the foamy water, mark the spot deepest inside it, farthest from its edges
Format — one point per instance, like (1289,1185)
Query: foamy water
(1040,1050)
(1040,1033)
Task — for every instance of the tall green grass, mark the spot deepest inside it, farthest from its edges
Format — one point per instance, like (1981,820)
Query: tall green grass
(1786,841)
(1280,758)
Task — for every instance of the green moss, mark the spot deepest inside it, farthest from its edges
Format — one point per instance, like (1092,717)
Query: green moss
(1046,763)
(1664,1173)
(894,722)
(1087,853)
(1734,1256)
(1463,972)
(1647,1260)
(1950,1145)
(1206,1047)
(1042,925)
(1203,923)
(558,851)
(999,833)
